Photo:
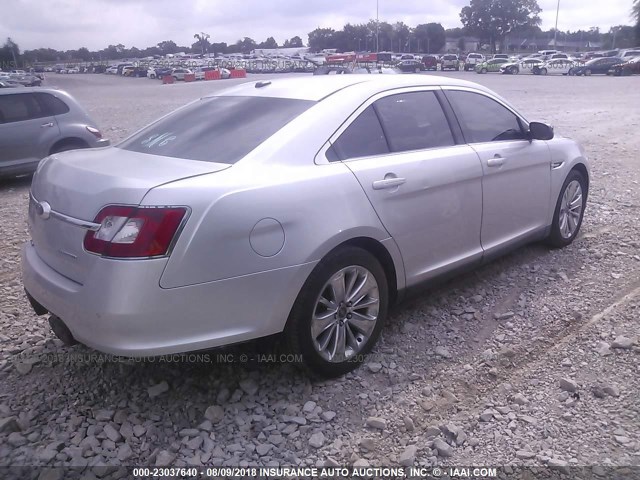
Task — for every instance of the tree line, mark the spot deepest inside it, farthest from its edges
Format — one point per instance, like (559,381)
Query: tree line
(492,22)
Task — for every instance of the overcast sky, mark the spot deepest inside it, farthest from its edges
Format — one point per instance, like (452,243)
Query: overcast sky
(70,24)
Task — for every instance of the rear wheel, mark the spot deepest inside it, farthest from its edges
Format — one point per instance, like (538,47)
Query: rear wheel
(571,72)
(543,71)
(587,72)
(569,211)
(339,313)
(484,70)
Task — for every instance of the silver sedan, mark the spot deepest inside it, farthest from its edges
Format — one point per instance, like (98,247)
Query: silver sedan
(300,205)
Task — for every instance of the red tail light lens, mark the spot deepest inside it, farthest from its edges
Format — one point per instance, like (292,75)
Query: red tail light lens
(134,232)
(94,131)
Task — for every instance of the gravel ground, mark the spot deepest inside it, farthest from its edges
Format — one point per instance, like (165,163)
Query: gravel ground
(530,360)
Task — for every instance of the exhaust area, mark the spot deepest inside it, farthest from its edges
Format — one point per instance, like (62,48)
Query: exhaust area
(61,330)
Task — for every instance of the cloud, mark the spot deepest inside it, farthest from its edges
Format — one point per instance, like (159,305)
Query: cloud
(95,24)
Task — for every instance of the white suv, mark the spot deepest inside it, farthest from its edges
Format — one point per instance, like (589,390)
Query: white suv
(472,60)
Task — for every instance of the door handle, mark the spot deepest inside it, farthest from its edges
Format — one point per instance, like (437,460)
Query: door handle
(388,183)
(45,125)
(496,161)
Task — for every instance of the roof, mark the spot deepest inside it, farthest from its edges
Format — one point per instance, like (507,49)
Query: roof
(7,91)
(315,88)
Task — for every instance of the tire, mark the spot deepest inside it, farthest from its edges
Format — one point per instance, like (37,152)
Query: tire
(484,70)
(543,71)
(514,70)
(563,230)
(318,297)
(66,145)
(417,70)
(587,72)
(571,73)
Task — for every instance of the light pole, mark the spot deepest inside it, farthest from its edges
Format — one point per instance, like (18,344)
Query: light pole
(555,32)
(378,25)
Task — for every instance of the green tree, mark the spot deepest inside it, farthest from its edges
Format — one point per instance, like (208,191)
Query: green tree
(295,42)
(491,20)
(203,41)
(167,46)
(430,36)
(321,38)
(9,54)
(269,43)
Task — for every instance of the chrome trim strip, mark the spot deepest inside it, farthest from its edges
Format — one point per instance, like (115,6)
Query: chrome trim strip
(94,227)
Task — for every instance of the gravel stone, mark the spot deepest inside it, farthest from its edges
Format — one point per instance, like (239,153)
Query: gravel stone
(376,422)
(568,385)
(158,389)
(214,413)
(9,424)
(622,342)
(443,448)
(408,456)
(317,440)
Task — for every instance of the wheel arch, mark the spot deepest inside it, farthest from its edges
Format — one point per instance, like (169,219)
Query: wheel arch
(582,168)
(68,141)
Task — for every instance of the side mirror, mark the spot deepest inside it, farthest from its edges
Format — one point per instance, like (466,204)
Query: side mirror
(540,131)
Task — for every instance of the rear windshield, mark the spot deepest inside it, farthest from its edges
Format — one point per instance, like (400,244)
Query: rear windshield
(216,129)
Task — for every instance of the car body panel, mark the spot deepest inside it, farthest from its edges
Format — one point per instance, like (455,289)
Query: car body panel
(256,229)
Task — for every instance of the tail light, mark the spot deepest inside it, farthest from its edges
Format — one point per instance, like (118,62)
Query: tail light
(134,232)
(94,131)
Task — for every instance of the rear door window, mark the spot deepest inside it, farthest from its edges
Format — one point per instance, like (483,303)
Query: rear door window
(51,105)
(19,107)
(216,129)
(363,138)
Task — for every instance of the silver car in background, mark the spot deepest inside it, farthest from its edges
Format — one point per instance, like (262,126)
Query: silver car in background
(299,205)
(35,123)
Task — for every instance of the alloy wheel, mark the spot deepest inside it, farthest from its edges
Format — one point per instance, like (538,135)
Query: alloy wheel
(345,314)
(570,209)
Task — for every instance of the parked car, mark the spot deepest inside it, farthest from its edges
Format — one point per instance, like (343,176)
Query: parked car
(26,80)
(5,83)
(410,66)
(525,65)
(472,60)
(592,55)
(630,67)
(628,53)
(596,66)
(555,67)
(34,124)
(430,62)
(501,55)
(112,70)
(179,73)
(492,65)
(449,61)
(155,246)
(73,70)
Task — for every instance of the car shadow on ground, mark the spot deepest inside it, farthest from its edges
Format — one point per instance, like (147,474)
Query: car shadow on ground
(15,182)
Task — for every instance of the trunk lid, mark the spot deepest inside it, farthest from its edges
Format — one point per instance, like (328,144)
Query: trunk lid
(78,184)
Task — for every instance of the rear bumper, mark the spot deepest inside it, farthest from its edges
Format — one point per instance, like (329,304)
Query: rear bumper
(122,310)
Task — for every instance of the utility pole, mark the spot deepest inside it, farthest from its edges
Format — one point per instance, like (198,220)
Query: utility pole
(378,26)
(555,31)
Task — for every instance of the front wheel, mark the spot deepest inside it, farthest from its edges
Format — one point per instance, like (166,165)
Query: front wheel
(571,72)
(543,71)
(569,211)
(338,315)
(514,71)
(587,72)
(484,70)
